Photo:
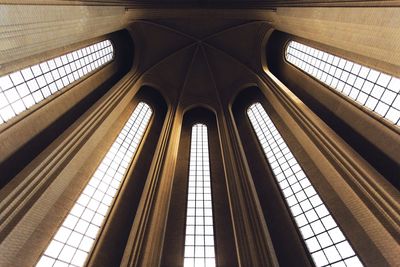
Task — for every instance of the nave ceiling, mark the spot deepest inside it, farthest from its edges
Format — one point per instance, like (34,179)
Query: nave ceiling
(198,61)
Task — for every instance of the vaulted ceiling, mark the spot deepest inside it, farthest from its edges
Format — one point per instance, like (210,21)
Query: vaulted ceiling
(197,60)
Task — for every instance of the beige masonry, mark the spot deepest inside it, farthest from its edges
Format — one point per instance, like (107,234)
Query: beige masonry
(182,59)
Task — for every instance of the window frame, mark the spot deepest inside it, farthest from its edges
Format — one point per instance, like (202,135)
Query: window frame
(340,93)
(201,124)
(259,144)
(174,240)
(362,129)
(57,90)
(123,178)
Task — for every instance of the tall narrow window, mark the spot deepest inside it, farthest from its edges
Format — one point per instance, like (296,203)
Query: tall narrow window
(199,238)
(77,234)
(22,89)
(373,89)
(324,239)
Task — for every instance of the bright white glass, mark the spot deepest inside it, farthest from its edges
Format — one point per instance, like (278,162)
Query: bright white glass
(374,90)
(74,239)
(24,88)
(199,238)
(323,237)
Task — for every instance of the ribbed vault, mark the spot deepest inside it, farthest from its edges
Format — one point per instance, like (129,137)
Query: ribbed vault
(215,57)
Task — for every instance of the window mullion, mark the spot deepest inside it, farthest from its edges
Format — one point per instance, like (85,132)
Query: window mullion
(199,237)
(77,234)
(372,89)
(323,237)
(18,93)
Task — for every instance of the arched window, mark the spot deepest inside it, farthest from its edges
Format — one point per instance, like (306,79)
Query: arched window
(24,88)
(77,234)
(324,239)
(373,89)
(199,229)
(199,238)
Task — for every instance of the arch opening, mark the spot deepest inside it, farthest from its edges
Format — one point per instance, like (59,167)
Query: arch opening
(338,111)
(175,239)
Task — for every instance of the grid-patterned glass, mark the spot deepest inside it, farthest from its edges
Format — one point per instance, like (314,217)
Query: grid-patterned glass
(374,90)
(324,239)
(199,238)
(24,88)
(75,237)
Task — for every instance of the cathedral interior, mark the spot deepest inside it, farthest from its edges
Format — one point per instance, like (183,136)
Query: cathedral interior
(199,133)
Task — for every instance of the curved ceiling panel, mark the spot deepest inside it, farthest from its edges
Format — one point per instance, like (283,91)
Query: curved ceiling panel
(204,63)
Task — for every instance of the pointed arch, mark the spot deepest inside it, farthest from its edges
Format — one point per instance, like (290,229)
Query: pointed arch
(45,121)
(286,237)
(174,246)
(111,197)
(337,110)
(80,229)
(324,239)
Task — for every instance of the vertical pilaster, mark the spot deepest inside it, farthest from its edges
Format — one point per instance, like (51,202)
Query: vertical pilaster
(253,243)
(362,202)
(48,187)
(145,243)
